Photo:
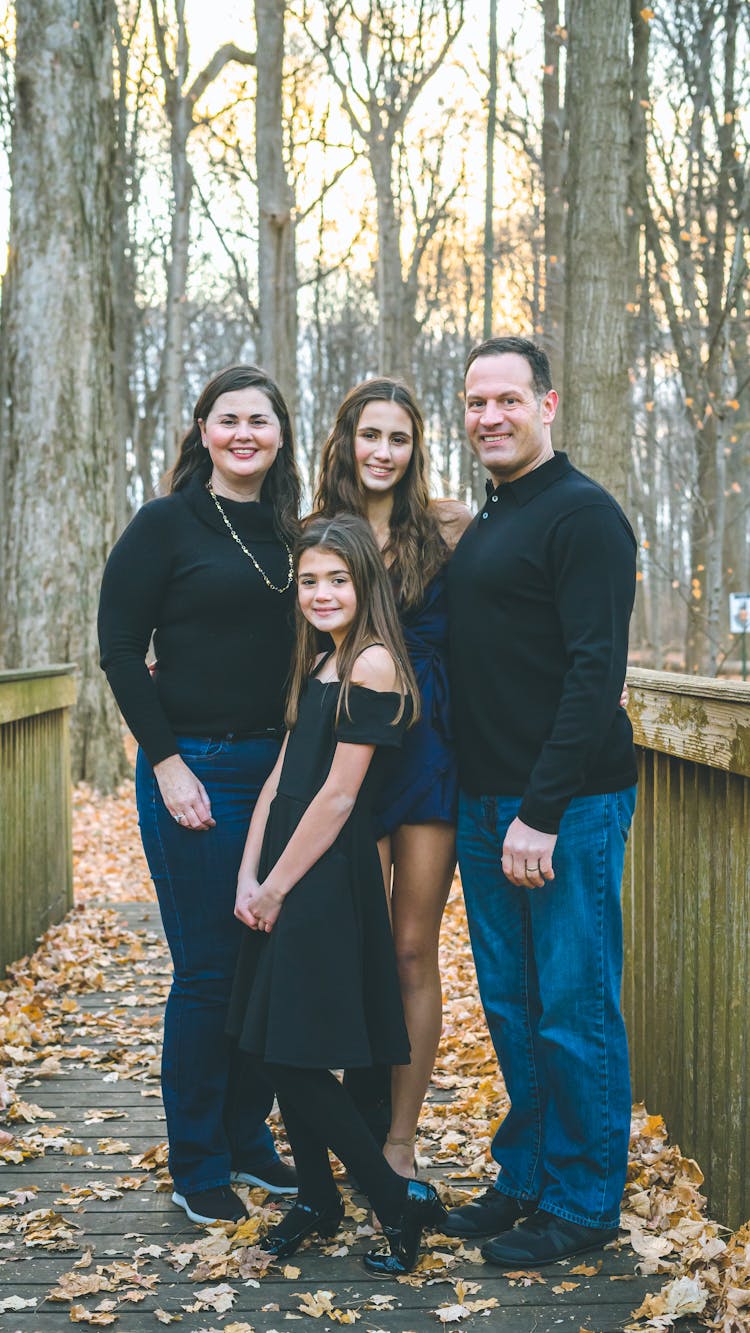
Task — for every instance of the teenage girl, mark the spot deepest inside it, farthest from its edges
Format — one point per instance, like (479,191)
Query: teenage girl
(374,463)
(316,985)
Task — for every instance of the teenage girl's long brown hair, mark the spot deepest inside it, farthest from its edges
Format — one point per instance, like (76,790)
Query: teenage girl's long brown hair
(415,550)
(375,620)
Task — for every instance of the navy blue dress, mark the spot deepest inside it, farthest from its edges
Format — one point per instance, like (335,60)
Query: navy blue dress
(422,786)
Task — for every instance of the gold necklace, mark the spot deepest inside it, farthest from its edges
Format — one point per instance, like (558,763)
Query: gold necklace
(249,554)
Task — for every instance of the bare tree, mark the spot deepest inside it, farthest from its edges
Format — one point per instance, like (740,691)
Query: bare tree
(489,190)
(696,224)
(181,96)
(554,145)
(596,352)
(56,403)
(381,64)
(277,267)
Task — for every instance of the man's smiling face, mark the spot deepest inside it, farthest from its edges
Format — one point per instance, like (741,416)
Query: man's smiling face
(507,425)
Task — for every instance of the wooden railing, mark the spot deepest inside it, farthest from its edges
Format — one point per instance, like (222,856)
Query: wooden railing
(686,897)
(36,861)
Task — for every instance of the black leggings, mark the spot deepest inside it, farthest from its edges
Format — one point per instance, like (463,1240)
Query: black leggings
(319,1114)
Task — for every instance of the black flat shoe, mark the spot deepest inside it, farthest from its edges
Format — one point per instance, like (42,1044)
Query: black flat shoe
(544,1239)
(302,1221)
(422,1208)
(487,1215)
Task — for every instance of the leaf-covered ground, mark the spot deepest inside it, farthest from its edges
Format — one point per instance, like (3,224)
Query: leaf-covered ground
(49,1023)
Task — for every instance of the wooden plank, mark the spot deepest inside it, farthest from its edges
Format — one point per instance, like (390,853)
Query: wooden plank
(706,721)
(28,693)
(115,1229)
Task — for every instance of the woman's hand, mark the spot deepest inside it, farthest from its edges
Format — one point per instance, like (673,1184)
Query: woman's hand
(184,796)
(258,905)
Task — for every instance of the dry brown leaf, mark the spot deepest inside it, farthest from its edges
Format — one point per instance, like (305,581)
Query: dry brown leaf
(80,1315)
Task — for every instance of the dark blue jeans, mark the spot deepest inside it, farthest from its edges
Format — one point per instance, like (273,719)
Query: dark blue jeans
(549,966)
(216,1103)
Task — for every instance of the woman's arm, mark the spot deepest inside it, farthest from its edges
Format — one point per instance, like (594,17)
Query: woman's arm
(135,583)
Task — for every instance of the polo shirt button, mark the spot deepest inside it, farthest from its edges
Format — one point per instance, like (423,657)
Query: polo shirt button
(494,499)
(485,514)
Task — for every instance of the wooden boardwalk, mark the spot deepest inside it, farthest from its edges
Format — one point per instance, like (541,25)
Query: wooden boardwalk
(88,1232)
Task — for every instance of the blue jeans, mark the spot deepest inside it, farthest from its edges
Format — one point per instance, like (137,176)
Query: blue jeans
(216,1104)
(549,967)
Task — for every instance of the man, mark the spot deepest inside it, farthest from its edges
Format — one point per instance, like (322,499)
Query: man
(540,592)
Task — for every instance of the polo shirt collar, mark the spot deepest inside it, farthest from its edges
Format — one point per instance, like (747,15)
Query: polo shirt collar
(534,482)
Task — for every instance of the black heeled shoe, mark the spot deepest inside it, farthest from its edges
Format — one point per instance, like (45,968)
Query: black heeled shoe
(422,1208)
(299,1222)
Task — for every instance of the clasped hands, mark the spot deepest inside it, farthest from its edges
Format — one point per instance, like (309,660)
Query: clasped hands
(258,905)
(527,855)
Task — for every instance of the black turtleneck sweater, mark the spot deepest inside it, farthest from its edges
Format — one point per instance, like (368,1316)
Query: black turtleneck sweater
(540,590)
(222,638)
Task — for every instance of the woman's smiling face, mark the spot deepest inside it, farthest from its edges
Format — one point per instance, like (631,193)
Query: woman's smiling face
(243,435)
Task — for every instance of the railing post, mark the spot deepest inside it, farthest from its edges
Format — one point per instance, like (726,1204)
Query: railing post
(686,901)
(36,853)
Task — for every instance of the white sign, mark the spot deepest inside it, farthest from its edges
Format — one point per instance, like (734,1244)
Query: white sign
(739,612)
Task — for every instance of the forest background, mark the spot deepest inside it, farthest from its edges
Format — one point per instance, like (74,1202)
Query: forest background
(335,190)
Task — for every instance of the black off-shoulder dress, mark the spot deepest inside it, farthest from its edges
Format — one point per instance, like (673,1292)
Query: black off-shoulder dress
(321,990)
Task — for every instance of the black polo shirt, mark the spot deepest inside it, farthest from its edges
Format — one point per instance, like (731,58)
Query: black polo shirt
(541,589)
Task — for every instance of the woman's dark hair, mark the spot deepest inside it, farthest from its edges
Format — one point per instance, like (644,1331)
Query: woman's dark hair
(281,487)
(415,549)
(375,620)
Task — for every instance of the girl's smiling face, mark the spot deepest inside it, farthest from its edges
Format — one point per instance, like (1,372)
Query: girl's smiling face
(326,593)
(383,445)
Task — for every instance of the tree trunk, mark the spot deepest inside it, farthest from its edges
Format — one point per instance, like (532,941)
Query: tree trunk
(596,334)
(553,172)
(489,191)
(174,343)
(56,394)
(277,269)
(392,358)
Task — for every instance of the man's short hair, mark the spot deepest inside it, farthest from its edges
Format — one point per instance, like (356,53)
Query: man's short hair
(541,376)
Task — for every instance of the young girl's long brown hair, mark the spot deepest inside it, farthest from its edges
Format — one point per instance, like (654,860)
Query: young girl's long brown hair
(415,550)
(375,620)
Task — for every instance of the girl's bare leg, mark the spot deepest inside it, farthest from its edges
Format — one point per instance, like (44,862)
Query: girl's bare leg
(424,859)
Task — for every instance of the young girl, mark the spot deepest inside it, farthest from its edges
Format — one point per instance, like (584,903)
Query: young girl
(316,985)
(374,463)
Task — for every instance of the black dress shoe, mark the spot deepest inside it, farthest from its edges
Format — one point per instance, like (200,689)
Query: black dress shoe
(422,1208)
(487,1215)
(543,1239)
(302,1221)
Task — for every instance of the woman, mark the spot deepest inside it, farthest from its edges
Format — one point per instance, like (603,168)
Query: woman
(207,570)
(374,463)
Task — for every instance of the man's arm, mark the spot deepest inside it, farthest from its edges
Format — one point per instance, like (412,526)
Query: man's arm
(593,568)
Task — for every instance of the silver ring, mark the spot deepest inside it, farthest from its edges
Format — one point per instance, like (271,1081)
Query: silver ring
(536,867)
(180,818)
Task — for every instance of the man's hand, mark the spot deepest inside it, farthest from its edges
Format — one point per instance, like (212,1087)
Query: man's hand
(527,855)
